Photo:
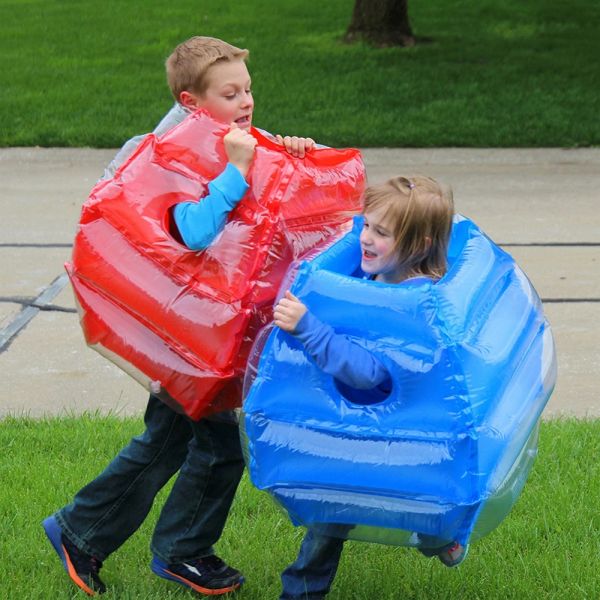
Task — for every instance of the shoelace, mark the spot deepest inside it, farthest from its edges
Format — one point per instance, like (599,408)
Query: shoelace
(212,561)
(95,565)
(83,563)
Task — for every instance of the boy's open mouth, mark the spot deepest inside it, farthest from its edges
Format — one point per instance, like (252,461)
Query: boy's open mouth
(245,120)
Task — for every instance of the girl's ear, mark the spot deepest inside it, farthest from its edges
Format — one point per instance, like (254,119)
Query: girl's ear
(189,100)
(428,242)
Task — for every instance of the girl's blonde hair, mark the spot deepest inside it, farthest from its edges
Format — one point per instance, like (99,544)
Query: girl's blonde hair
(419,212)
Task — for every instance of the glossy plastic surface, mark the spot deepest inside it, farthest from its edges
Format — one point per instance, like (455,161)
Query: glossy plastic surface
(446,454)
(180,321)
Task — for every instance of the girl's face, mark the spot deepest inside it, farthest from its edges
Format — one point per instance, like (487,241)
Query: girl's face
(379,257)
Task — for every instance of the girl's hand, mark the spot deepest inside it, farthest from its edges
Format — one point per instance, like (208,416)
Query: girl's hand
(296,146)
(288,312)
(239,147)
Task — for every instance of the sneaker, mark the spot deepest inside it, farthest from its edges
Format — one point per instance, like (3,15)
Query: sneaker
(454,555)
(82,568)
(206,575)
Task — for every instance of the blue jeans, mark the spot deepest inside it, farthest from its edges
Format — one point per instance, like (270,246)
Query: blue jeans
(207,454)
(310,576)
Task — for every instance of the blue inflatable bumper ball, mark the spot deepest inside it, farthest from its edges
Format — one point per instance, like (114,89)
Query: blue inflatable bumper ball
(445,455)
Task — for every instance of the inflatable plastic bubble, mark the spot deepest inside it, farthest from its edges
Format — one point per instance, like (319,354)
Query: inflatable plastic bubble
(445,455)
(183,321)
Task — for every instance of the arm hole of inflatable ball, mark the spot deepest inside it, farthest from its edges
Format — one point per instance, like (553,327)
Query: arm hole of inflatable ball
(170,227)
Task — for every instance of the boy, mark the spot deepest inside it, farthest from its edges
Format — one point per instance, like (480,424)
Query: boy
(210,74)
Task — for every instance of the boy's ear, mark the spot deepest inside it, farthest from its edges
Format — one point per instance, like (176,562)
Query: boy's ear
(189,100)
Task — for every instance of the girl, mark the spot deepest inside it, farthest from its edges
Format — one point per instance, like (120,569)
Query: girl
(407,223)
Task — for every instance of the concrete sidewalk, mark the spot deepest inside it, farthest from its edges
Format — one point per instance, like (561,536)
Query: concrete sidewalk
(543,206)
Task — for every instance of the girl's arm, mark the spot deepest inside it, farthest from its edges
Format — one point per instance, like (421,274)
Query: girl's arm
(334,353)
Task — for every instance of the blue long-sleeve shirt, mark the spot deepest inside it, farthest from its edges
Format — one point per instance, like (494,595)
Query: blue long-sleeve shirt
(200,222)
(339,356)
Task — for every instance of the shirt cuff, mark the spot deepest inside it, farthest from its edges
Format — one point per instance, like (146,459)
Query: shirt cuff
(231,183)
(306,325)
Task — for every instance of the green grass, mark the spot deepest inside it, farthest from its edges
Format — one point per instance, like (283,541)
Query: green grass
(548,547)
(497,73)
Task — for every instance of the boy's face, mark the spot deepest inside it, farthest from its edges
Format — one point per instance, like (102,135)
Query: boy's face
(228,97)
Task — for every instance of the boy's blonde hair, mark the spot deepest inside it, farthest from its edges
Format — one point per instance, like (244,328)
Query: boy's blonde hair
(419,213)
(189,62)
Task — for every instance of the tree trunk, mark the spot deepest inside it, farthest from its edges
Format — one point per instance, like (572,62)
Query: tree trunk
(381,23)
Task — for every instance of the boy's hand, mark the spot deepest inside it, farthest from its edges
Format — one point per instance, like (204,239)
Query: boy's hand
(296,146)
(239,147)
(288,312)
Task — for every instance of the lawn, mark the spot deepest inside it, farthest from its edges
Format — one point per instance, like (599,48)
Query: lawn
(548,547)
(495,74)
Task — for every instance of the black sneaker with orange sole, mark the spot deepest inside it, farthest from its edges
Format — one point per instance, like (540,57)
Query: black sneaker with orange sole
(82,568)
(207,575)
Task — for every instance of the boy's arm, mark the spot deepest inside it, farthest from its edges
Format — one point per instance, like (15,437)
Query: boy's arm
(200,222)
(334,353)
